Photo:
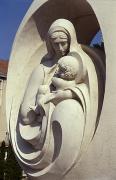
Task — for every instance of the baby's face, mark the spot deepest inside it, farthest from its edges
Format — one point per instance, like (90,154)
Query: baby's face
(68,68)
(65,73)
(61,72)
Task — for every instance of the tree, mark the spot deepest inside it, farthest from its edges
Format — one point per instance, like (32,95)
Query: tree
(12,169)
(2,162)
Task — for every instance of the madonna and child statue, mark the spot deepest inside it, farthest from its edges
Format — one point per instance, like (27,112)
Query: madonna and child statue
(54,120)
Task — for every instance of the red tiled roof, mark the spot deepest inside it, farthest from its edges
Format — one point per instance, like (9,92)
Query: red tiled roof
(3,67)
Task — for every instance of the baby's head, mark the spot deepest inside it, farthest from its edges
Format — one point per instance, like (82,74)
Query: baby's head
(69,68)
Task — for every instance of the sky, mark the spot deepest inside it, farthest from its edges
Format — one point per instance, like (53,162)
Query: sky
(97,39)
(11,15)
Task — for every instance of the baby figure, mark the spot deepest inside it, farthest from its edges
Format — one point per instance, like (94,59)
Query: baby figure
(68,74)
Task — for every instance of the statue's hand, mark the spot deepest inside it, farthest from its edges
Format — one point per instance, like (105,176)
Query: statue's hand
(38,109)
(58,96)
(33,108)
(49,98)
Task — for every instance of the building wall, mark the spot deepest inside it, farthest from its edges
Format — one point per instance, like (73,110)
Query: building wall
(3,125)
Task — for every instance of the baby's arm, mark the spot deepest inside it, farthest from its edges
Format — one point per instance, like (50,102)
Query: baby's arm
(62,84)
(60,95)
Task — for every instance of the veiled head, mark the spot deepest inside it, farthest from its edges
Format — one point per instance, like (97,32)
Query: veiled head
(61,38)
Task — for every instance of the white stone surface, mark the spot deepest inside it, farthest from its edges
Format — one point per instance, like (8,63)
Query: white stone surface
(52,156)
(100,160)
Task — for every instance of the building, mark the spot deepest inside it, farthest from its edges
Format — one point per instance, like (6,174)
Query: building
(3,74)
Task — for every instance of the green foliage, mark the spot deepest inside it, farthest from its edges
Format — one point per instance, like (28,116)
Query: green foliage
(2,163)
(9,168)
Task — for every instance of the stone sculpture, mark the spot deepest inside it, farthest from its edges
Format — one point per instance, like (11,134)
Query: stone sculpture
(55,99)
(59,39)
(59,107)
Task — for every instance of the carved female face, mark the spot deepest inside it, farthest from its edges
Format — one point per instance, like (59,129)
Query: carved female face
(60,43)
